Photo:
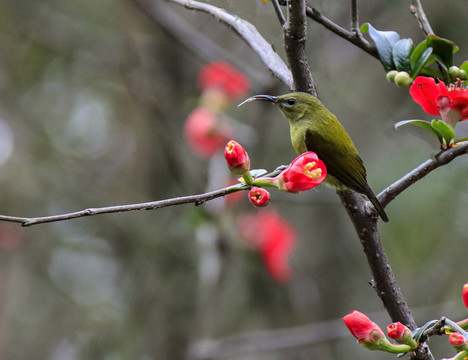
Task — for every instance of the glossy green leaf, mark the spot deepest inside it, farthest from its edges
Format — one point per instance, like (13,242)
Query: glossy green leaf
(444,130)
(420,62)
(384,42)
(422,124)
(443,49)
(436,74)
(401,53)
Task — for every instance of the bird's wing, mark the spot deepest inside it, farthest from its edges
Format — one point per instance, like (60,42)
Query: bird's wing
(346,166)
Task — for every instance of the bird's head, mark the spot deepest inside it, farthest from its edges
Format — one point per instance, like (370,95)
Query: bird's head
(294,106)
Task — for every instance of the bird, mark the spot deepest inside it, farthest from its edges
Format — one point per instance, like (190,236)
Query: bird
(314,128)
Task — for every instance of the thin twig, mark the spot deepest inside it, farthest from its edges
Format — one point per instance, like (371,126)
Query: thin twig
(354,18)
(279,13)
(248,33)
(150,205)
(418,11)
(421,171)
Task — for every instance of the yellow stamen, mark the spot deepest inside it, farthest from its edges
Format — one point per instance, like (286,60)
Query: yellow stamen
(312,174)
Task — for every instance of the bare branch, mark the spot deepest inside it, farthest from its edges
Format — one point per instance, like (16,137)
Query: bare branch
(151,205)
(295,36)
(354,17)
(418,11)
(354,38)
(248,33)
(421,171)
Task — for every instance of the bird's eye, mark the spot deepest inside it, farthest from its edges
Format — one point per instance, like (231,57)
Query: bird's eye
(291,101)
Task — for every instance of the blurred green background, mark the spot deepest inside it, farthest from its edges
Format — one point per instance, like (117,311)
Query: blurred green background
(93,98)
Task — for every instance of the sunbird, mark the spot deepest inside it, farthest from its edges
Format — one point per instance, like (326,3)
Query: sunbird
(314,128)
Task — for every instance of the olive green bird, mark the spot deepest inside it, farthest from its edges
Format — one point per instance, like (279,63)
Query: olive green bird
(314,128)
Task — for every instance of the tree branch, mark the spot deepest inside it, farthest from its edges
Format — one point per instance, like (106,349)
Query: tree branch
(443,158)
(248,33)
(150,205)
(295,35)
(354,38)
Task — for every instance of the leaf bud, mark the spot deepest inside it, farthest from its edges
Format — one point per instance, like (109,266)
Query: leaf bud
(403,79)
(454,73)
(391,75)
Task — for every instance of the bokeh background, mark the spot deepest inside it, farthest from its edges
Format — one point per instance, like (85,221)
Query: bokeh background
(93,100)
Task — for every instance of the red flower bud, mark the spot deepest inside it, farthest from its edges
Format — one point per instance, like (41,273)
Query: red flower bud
(397,331)
(457,340)
(236,157)
(305,172)
(362,328)
(259,197)
(465,295)
(401,334)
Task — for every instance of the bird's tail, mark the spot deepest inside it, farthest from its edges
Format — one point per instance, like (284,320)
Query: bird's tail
(379,208)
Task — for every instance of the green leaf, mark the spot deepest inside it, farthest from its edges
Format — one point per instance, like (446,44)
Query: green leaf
(460,140)
(258,172)
(443,48)
(419,62)
(464,66)
(422,124)
(384,42)
(401,53)
(444,130)
(431,73)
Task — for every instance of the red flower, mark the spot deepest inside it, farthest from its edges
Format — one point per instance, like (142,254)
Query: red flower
(204,133)
(362,328)
(259,197)
(465,295)
(436,99)
(236,157)
(223,77)
(274,237)
(457,340)
(305,172)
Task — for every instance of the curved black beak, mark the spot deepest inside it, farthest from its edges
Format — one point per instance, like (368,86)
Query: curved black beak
(270,98)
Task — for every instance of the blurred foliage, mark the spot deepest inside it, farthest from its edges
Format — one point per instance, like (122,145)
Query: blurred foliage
(93,98)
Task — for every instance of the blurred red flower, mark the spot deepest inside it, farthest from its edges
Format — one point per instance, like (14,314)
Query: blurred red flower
(304,173)
(465,295)
(223,77)
(204,132)
(274,238)
(436,99)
